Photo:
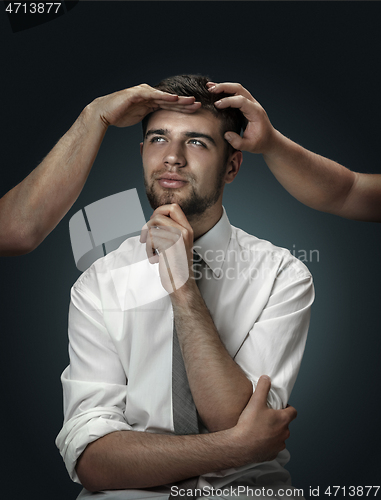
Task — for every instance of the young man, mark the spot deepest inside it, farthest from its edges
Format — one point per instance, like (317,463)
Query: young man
(247,316)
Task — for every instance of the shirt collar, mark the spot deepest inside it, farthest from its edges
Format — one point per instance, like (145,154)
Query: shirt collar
(212,246)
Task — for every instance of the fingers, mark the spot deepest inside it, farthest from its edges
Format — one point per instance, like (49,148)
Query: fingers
(238,101)
(182,104)
(166,97)
(229,88)
(234,139)
(160,97)
(158,239)
(170,217)
(158,228)
(180,108)
(175,213)
(162,232)
(290,413)
(261,391)
(179,100)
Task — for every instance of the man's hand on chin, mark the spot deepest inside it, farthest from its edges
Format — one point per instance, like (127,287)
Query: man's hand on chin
(169,240)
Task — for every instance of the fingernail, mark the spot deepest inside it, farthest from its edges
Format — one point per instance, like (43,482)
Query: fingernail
(228,137)
(266,377)
(211,87)
(217,102)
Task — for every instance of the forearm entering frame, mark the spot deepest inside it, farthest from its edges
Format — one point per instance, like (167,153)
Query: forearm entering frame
(130,459)
(32,209)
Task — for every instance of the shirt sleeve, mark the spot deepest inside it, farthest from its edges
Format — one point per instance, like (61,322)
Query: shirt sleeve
(94,384)
(275,345)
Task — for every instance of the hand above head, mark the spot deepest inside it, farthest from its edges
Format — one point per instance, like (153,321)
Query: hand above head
(316,181)
(30,210)
(259,132)
(262,430)
(169,239)
(129,106)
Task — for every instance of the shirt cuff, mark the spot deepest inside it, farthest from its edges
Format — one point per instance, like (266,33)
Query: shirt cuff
(77,434)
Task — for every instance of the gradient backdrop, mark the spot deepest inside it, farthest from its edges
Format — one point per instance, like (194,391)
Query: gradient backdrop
(315,67)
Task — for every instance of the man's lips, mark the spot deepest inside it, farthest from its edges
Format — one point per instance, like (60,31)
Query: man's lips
(171,182)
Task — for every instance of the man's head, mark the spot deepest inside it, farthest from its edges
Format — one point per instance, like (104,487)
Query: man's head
(186,159)
(195,86)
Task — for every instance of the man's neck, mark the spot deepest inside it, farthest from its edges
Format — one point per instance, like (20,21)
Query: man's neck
(201,224)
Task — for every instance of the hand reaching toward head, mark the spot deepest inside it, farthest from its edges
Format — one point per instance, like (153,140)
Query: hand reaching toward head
(128,107)
(259,132)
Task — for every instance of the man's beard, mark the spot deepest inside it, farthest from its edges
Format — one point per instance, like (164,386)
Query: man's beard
(193,206)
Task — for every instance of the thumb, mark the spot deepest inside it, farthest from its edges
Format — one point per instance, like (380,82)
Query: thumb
(261,391)
(234,139)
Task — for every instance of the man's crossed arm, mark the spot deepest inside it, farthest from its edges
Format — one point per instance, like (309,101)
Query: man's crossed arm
(128,459)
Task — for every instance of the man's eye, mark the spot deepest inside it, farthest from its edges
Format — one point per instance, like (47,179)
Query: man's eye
(157,139)
(197,142)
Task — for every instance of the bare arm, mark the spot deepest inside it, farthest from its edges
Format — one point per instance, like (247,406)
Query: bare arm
(35,206)
(323,184)
(129,459)
(219,387)
(32,209)
(316,181)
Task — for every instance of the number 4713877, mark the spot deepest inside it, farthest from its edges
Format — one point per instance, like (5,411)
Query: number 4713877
(33,8)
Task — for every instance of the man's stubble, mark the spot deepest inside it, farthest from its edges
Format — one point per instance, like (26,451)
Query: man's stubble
(193,205)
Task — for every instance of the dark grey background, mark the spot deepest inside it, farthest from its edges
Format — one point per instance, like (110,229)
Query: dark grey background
(315,69)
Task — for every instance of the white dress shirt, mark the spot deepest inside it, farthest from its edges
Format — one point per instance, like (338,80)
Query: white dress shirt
(120,334)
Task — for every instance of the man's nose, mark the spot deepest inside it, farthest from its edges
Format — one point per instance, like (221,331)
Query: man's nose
(174,156)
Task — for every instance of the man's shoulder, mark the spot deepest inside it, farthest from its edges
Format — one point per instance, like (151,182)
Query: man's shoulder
(129,252)
(266,253)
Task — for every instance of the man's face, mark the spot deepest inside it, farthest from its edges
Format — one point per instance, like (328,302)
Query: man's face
(184,160)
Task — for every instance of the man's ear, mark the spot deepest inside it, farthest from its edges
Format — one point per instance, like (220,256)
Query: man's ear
(233,166)
(141,148)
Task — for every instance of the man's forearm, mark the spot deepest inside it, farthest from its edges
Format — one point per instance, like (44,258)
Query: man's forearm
(219,387)
(129,459)
(316,181)
(35,206)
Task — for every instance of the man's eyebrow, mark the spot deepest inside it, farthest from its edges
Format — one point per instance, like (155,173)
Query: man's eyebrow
(201,135)
(159,131)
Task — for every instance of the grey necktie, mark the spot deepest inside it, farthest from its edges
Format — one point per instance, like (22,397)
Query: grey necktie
(185,418)
(184,409)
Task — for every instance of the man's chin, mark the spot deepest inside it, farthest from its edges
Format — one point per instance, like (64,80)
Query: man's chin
(191,204)
(158,200)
